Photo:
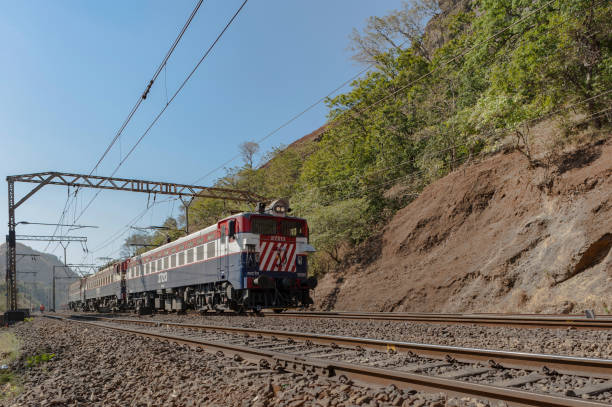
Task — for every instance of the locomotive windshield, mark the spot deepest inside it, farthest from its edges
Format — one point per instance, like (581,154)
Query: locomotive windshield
(293,228)
(263,226)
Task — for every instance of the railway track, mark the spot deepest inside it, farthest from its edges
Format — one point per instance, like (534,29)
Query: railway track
(502,320)
(513,377)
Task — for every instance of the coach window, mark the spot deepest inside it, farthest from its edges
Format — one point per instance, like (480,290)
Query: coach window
(173,260)
(159,264)
(166,263)
(190,256)
(181,258)
(210,250)
(200,253)
(153,264)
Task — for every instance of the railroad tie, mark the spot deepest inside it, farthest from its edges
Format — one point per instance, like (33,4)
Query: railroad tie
(282,347)
(592,389)
(235,341)
(519,381)
(312,352)
(333,355)
(466,373)
(415,367)
(268,343)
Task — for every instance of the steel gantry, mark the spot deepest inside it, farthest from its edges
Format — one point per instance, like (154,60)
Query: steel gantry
(99,182)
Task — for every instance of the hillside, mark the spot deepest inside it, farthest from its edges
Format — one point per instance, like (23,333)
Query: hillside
(407,205)
(495,236)
(37,286)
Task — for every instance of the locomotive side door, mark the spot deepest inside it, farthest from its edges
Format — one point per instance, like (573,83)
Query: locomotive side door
(222,253)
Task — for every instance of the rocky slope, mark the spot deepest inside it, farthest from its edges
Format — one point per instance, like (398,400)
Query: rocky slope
(494,236)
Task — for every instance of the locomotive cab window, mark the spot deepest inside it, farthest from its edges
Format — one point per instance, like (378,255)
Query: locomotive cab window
(293,229)
(263,226)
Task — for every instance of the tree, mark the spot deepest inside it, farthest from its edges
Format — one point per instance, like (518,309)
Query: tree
(248,149)
(399,29)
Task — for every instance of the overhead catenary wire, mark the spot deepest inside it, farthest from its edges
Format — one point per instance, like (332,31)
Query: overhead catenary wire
(141,98)
(422,77)
(161,112)
(176,93)
(145,93)
(389,95)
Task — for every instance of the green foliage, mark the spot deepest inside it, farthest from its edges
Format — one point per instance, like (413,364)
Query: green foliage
(423,110)
(333,226)
(36,360)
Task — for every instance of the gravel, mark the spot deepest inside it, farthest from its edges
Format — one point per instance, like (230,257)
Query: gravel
(98,367)
(548,381)
(570,342)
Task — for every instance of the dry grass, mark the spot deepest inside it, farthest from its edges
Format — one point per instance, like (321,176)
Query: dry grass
(9,351)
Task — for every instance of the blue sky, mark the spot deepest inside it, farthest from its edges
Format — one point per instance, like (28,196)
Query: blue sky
(72,70)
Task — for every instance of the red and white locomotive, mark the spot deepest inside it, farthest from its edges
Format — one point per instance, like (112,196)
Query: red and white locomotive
(251,260)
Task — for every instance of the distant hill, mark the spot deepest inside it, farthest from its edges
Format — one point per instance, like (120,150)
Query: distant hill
(35,286)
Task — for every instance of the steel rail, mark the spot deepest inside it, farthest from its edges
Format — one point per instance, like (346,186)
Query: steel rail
(500,320)
(363,374)
(579,366)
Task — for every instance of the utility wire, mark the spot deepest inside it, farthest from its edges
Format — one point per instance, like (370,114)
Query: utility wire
(436,153)
(141,98)
(337,121)
(295,117)
(180,88)
(145,93)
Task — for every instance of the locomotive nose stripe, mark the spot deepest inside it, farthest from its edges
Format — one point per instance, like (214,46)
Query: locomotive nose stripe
(262,259)
(272,252)
(266,258)
(269,254)
(290,258)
